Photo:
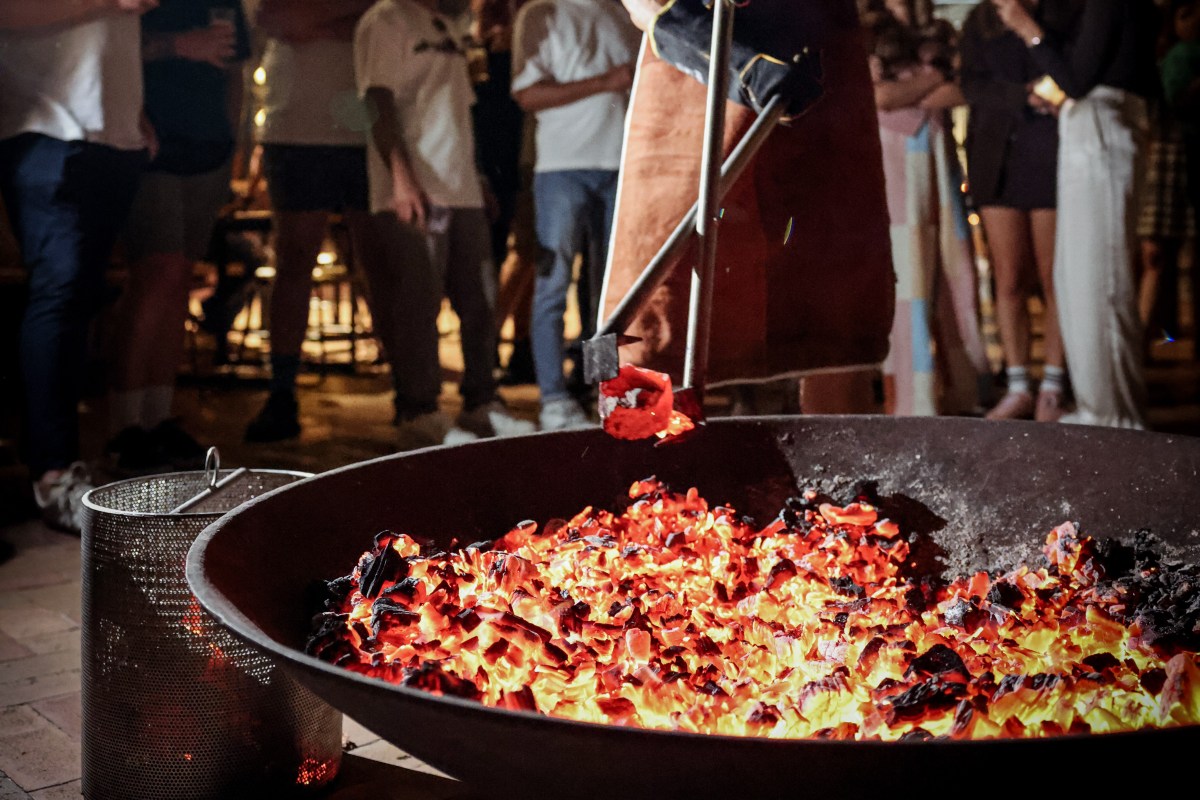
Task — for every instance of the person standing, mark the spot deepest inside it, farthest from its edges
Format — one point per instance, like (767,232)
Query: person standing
(71,150)
(1108,71)
(192,53)
(1012,157)
(573,63)
(428,219)
(315,162)
(808,211)
(937,363)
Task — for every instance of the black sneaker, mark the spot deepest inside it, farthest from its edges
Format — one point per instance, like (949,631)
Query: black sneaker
(181,449)
(135,451)
(278,420)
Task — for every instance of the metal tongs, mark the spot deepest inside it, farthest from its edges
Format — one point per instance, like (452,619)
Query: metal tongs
(601,359)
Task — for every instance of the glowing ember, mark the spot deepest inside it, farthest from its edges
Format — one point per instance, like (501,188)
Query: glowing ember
(680,616)
(639,403)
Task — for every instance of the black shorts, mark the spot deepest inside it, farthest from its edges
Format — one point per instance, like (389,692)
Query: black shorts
(303,177)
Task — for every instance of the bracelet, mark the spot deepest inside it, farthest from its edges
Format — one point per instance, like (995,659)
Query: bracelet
(1033,41)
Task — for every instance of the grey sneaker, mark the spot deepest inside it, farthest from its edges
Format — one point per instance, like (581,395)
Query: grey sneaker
(494,419)
(564,414)
(429,430)
(62,502)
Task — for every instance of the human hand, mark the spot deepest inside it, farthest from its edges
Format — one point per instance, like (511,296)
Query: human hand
(1041,105)
(1016,18)
(409,202)
(642,12)
(618,79)
(212,45)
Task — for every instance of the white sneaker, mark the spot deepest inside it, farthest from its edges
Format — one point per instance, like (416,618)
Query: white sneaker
(494,419)
(564,414)
(62,502)
(423,430)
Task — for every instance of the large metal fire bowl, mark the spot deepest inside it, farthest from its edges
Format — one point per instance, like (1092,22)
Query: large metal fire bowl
(985,493)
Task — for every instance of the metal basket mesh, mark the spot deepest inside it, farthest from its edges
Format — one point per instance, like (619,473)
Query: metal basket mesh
(173,705)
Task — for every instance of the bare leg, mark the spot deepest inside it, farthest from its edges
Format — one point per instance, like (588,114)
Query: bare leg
(1042,223)
(1009,245)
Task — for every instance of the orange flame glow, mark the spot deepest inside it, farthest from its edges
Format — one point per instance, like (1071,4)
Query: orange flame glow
(679,616)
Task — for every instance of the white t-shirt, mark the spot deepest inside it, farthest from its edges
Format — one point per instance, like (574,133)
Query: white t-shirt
(310,96)
(417,55)
(74,82)
(566,41)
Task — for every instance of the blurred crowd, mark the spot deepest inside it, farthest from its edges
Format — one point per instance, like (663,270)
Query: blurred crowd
(471,151)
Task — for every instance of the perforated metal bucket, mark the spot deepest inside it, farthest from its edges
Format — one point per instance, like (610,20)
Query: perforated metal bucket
(173,705)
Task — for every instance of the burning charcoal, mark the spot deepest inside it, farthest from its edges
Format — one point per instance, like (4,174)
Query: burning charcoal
(914,600)
(495,651)
(386,567)
(519,701)
(468,619)
(482,547)
(713,690)
(764,714)
(1153,680)
(937,660)
(925,697)
(1101,661)
(340,588)
(432,678)
(328,627)
(918,735)
(387,609)
(846,585)
(676,539)
(406,587)
(637,404)
(1005,595)
(783,570)
(965,615)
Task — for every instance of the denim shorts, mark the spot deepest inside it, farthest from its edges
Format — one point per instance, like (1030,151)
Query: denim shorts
(316,177)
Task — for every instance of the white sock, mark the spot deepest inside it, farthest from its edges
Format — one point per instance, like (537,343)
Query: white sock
(125,409)
(1053,379)
(1018,380)
(156,406)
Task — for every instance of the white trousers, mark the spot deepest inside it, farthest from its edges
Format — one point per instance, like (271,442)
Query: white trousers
(1102,141)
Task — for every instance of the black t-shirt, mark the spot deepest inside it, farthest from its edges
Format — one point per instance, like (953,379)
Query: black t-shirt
(188,101)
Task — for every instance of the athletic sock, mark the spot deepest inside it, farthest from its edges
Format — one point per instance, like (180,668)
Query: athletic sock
(1053,379)
(1018,380)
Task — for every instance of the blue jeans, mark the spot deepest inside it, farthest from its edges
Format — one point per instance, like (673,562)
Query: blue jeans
(574,209)
(67,202)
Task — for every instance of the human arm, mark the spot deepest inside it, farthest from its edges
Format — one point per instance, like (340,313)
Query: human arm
(213,44)
(948,95)
(535,82)
(911,90)
(1081,70)
(549,93)
(26,14)
(308,20)
(981,87)
(408,198)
